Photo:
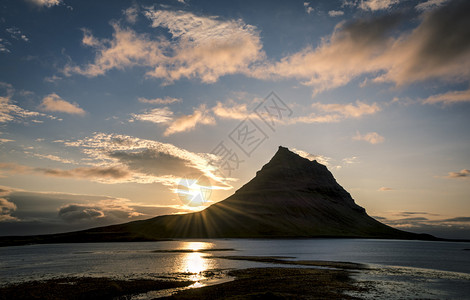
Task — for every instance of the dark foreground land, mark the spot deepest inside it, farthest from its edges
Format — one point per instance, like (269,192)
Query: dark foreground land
(254,283)
(277,283)
(85,288)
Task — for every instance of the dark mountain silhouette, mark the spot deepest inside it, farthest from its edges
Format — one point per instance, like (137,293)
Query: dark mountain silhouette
(290,197)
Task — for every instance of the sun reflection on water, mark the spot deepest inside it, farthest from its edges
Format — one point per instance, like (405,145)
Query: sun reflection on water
(194,264)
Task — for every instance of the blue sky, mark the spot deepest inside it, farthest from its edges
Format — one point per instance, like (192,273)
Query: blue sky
(105,106)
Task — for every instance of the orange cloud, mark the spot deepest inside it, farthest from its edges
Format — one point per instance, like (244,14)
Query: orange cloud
(54,102)
(188,122)
(449,98)
(370,137)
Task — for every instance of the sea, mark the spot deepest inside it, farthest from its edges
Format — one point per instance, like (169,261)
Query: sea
(397,269)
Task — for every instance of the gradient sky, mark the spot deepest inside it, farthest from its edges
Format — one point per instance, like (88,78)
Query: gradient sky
(106,105)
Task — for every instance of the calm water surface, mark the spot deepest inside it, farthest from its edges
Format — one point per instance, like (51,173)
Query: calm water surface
(442,267)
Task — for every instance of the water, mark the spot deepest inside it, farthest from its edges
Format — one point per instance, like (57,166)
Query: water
(427,269)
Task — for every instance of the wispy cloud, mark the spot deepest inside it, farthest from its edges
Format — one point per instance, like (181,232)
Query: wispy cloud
(166,100)
(372,47)
(42,212)
(308,8)
(55,158)
(200,115)
(147,161)
(112,174)
(319,158)
(11,112)
(4,46)
(6,208)
(45,3)
(374,5)
(349,110)
(126,49)
(385,189)
(462,174)
(423,222)
(156,115)
(370,137)
(449,98)
(201,47)
(335,13)
(54,102)
(430,4)
(16,34)
(131,13)
(233,110)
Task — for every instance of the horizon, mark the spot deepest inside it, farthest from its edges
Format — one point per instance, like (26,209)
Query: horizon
(113,112)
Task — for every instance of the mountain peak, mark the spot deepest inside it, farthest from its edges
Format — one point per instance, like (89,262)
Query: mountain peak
(287,170)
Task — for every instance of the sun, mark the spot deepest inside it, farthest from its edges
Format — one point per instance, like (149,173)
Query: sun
(194,191)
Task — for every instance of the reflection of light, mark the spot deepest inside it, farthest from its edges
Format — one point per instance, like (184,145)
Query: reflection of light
(194,262)
(196,245)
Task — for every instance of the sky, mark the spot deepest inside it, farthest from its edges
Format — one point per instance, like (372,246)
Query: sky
(114,111)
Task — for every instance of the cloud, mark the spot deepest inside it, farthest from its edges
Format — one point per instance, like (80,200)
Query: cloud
(200,115)
(423,222)
(437,48)
(335,13)
(449,98)
(45,3)
(166,100)
(74,212)
(463,174)
(131,13)
(111,210)
(200,47)
(156,115)
(54,158)
(348,110)
(350,160)
(112,174)
(351,50)
(100,174)
(375,5)
(5,140)
(4,46)
(206,47)
(6,209)
(430,4)
(308,8)
(126,49)
(385,189)
(29,212)
(54,102)
(16,34)
(319,158)
(10,112)
(370,137)
(232,110)
(458,219)
(147,161)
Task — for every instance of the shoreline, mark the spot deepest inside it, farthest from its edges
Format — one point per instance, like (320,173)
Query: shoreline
(323,279)
(286,279)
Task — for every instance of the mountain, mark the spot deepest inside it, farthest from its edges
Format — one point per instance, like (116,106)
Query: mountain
(290,197)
